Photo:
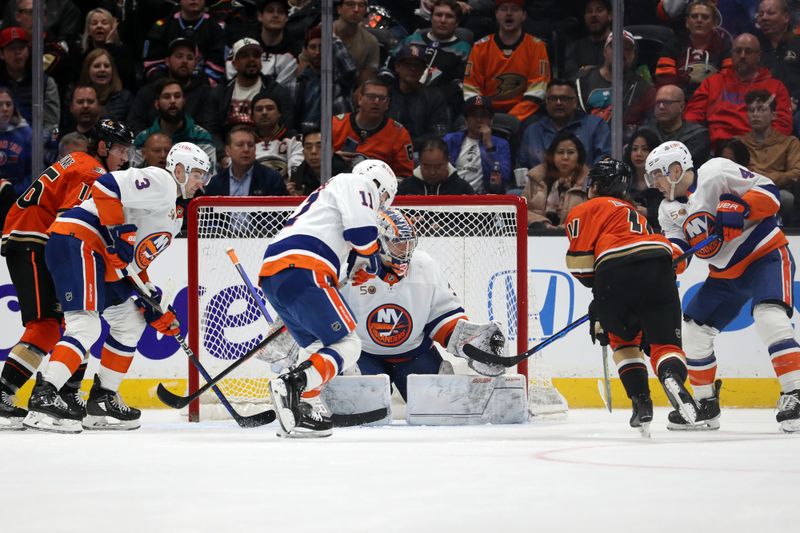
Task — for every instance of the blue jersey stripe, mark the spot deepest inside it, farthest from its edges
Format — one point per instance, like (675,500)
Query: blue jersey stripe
(361,236)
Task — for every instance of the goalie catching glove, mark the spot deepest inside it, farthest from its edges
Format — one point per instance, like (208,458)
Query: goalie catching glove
(163,320)
(486,337)
(364,268)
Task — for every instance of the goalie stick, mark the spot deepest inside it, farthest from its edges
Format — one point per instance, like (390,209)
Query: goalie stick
(491,359)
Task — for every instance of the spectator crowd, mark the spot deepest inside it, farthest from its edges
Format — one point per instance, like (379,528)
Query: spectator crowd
(458,97)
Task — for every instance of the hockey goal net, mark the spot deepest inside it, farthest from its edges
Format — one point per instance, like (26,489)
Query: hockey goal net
(479,241)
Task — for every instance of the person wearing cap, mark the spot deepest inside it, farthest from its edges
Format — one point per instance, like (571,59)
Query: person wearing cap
(510,67)
(277,146)
(421,109)
(477,154)
(588,50)
(62,18)
(193,23)
(16,74)
(361,44)
(181,63)
(55,57)
(594,87)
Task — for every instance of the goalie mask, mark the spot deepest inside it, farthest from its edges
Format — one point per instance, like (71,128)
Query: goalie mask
(397,238)
(194,162)
(383,176)
(666,167)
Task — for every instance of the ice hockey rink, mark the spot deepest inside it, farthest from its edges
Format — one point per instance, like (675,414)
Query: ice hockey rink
(588,472)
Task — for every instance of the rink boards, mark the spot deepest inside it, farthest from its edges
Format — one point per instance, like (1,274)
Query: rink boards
(572,361)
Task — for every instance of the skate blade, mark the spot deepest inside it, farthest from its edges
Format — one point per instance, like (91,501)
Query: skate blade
(277,389)
(687,410)
(12,424)
(644,430)
(45,422)
(704,425)
(296,434)
(790,426)
(109,423)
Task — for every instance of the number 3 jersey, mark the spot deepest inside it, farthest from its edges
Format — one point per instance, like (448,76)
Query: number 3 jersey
(337,218)
(145,197)
(687,222)
(402,321)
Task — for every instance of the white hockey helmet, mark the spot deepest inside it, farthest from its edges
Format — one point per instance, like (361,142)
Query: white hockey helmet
(193,159)
(663,158)
(383,176)
(397,238)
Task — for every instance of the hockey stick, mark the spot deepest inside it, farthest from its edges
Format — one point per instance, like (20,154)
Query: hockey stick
(252,421)
(604,386)
(491,359)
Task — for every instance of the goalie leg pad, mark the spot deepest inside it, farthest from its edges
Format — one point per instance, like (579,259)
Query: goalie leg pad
(442,400)
(347,395)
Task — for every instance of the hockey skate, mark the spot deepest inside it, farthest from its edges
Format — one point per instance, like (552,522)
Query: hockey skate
(789,411)
(298,419)
(74,399)
(106,410)
(47,410)
(679,397)
(11,416)
(708,413)
(642,413)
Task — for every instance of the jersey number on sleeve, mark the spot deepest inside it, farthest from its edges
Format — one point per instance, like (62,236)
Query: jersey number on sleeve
(34,192)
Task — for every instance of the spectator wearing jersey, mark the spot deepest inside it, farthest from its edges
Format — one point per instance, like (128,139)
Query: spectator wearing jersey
(306,177)
(483,160)
(369,133)
(510,67)
(155,150)
(243,177)
(100,72)
(62,19)
(101,30)
(669,125)
(361,44)
(15,143)
(277,146)
(719,102)
(563,114)
(434,175)
(55,57)
(193,23)
(588,50)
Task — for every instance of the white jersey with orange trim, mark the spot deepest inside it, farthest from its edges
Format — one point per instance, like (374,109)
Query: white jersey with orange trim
(688,222)
(339,217)
(145,197)
(403,320)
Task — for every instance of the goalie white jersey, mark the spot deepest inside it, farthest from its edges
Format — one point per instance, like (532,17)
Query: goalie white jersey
(689,222)
(403,320)
(145,197)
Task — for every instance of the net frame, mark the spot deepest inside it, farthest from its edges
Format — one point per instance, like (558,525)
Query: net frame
(514,203)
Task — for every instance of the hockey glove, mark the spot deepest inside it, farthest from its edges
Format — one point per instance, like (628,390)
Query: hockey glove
(596,331)
(123,240)
(364,268)
(487,337)
(164,321)
(731,212)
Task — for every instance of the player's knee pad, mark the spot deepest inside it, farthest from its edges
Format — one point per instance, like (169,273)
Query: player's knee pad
(698,341)
(83,326)
(42,334)
(126,324)
(772,323)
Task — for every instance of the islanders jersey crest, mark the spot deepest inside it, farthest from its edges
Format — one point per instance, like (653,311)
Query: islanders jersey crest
(389,325)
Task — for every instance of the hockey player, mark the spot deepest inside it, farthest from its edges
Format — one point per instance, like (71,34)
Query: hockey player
(751,260)
(132,216)
(60,187)
(299,277)
(613,250)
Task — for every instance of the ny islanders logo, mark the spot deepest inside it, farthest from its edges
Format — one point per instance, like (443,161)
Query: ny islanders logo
(149,247)
(697,227)
(389,325)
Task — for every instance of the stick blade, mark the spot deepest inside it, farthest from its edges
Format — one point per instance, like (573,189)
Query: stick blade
(256,420)
(359,419)
(171,399)
(491,359)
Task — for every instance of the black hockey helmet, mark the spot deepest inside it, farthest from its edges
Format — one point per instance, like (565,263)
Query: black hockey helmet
(112,132)
(612,177)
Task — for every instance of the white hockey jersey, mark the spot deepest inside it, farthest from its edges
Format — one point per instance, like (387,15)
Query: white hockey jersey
(689,222)
(283,155)
(145,197)
(402,320)
(337,218)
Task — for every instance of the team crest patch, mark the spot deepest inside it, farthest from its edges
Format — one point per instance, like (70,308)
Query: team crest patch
(389,325)
(698,227)
(149,248)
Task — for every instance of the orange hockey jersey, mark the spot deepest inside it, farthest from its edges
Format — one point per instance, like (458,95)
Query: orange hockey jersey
(390,142)
(61,186)
(510,76)
(606,231)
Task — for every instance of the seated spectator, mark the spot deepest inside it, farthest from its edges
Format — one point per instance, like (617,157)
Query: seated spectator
(193,23)
(434,175)
(669,125)
(180,63)
(735,150)
(55,59)
(646,198)
(719,101)
(101,30)
(243,177)
(277,146)
(306,177)
(476,152)
(510,68)
(155,150)
(772,154)
(62,19)
(84,110)
(691,57)
(737,16)
(588,51)
(557,185)
(361,44)
(16,74)
(561,104)
(780,47)
(73,142)
(174,122)
(99,71)
(594,87)
(368,133)
(15,144)
(421,109)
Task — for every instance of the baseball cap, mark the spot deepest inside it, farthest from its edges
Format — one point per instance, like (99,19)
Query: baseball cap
(11,34)
(180,41)
(478,102)
(410,52)
(241,44)
(520,3)
(263,3)
(628,36)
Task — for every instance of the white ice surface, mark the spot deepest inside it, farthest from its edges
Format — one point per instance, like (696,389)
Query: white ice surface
(589,473)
